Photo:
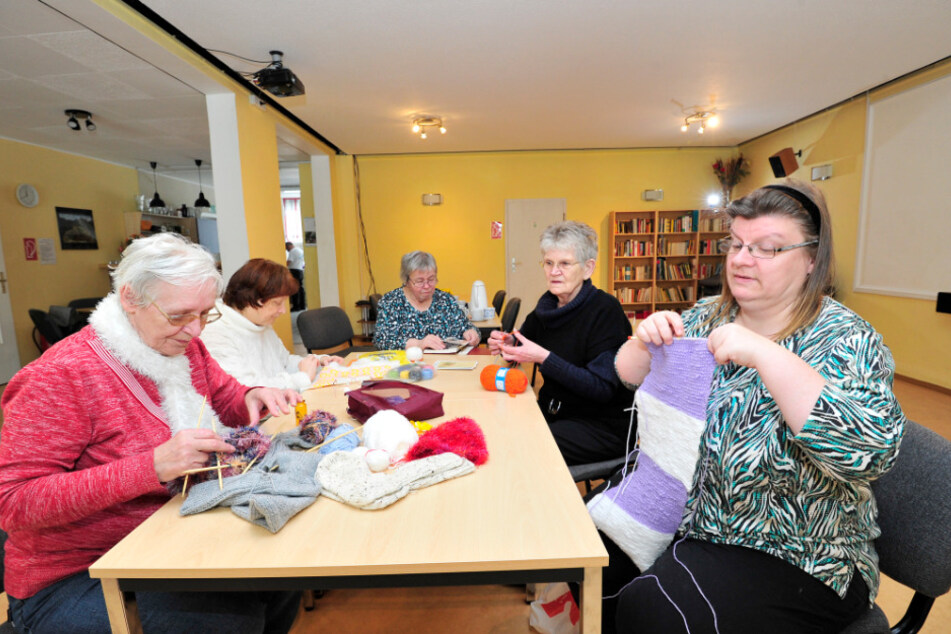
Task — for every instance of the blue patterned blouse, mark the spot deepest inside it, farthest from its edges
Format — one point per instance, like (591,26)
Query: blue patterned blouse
(803,498)
(397,320)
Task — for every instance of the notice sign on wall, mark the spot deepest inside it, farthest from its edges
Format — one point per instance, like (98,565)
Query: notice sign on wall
(29,248)
(496,230)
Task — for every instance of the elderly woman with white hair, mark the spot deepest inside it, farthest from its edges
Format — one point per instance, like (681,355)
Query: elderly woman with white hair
(418,313)
(573,335)
(97,428)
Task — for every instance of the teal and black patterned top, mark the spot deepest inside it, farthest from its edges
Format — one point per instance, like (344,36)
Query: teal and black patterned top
(804,498)
(397,320)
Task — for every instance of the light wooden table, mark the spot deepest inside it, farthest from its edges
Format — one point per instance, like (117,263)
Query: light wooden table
(517,519)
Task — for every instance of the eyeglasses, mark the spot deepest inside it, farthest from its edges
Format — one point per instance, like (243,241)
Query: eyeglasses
(180,321)
(429,281)
(731,246)
(562,266)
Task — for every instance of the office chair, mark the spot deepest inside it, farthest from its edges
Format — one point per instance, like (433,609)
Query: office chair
(45,331)
(510,314)
(328,327)
(497,301)
(914,512)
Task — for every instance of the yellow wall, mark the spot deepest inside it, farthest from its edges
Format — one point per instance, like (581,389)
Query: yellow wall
(919,337)
(62,180)
(475,187)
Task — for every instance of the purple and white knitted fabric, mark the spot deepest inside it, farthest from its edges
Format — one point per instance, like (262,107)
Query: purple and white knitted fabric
(641,513)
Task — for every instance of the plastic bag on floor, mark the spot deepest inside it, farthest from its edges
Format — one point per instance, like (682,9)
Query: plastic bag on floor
(555,610)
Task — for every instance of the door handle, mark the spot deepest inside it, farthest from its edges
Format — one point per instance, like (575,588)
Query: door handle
(514,264)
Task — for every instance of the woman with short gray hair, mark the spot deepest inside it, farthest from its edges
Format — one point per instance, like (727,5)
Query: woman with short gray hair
(418,313)
(572,336)
(97,434)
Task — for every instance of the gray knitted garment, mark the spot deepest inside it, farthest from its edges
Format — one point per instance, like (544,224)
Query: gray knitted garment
(267,497)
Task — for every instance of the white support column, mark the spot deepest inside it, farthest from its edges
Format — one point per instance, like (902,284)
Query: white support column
(326,244)
(229,190)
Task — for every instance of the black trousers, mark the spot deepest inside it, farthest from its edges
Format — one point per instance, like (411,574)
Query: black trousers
(748,591)
(585,441)
(298,299)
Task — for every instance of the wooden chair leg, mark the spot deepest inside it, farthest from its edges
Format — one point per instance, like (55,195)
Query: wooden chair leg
(308,600)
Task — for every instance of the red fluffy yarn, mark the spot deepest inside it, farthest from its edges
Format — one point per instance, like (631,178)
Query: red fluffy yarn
(249,444)
(461,436)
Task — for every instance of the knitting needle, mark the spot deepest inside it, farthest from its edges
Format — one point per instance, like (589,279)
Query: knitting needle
(198,426)
(250,464)
(334,439)
(214,426)
(203,469)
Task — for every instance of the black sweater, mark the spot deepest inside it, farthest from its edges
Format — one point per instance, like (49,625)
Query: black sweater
(583,338)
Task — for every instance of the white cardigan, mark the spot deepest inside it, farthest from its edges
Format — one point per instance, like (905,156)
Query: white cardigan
(252,354)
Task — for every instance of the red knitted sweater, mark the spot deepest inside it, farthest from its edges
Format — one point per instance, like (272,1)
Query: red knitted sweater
(77,470)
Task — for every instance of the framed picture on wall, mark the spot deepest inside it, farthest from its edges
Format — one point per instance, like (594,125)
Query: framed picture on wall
(76,228)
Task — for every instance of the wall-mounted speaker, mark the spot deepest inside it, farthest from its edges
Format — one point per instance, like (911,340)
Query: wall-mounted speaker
(784,162)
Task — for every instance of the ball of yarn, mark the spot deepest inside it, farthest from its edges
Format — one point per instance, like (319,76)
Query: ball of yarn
(391,431)
(496,378)
(316,426)
(377,460)
(249,445)
(414,353)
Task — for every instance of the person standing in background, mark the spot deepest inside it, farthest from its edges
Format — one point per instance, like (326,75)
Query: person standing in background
(295,262)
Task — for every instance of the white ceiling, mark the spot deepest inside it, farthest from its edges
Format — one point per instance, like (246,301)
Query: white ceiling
(504,75)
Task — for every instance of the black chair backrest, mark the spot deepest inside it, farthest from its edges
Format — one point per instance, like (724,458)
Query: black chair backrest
(322,328)
(914,513)
(44,326)
(497,301)
(85,302)
(510,314)
(374,304)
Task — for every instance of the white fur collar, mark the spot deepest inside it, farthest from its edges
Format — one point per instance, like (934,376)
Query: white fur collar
(181,402)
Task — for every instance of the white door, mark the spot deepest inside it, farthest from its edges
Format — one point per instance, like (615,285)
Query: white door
(525,220)
(9,353)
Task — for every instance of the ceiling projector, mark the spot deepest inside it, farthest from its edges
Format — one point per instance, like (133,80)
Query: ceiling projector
(277,80)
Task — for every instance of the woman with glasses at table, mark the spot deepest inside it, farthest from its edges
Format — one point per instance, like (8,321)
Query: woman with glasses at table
(573,335)
(780,519)
(243,341)
(418,313)
(96,430)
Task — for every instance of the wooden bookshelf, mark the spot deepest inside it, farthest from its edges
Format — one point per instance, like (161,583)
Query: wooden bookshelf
(657,257)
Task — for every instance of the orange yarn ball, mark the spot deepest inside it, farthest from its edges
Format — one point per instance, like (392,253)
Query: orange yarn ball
(510,380)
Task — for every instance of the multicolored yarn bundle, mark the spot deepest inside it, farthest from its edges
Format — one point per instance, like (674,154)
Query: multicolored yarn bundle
(461,436)
(316,426)
(249,445)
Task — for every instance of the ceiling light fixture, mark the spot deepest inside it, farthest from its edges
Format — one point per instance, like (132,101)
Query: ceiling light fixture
(75,116)
(201,201)
(421,125)
(156,199)
(706,119)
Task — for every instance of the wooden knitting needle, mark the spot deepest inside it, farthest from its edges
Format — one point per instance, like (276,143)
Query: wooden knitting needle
(250,464)
(203,469)
(214,427)
(198,426)
(334,439)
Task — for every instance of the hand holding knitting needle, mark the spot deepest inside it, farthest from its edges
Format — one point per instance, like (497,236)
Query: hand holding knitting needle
(522,350)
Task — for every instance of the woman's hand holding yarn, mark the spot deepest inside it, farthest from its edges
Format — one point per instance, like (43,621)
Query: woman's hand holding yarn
(660,328)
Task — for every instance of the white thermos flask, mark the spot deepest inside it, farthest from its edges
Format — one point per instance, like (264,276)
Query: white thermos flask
(478,301)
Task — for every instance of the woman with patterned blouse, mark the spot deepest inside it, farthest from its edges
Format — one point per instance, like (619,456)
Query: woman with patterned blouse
(779,525)
(418,313)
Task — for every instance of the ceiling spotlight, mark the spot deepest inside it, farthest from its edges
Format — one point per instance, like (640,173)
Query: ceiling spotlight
(705,119)
(75,116)
(422,125)
(156,199)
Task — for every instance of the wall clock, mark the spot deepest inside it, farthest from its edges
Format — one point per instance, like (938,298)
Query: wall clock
(27,195)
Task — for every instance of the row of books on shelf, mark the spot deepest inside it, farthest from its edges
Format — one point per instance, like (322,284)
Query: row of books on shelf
(632,248)
(635,225)
(664,294)
(679,224)
(713,223)
(706,270)
(674,271)
(665,246)
(710,247)
(629,273)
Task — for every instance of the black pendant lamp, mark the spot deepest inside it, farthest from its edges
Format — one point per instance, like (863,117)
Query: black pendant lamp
(201,201)
(156,200)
